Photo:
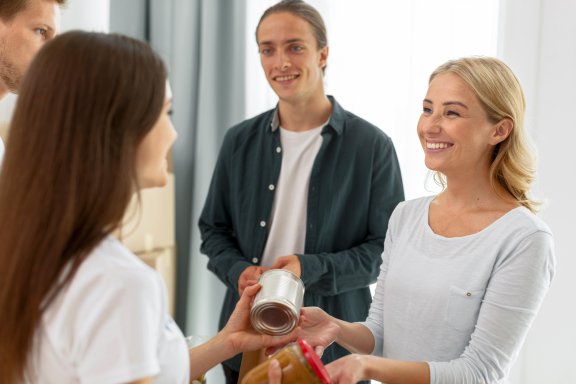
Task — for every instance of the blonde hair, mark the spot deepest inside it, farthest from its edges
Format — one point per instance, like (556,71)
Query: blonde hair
(499,92)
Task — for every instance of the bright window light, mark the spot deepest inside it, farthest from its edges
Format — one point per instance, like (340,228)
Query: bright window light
(381,54)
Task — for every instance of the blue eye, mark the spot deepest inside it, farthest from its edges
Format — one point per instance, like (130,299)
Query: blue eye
(266,51)
(296,48)
(452,113)
(426,110)
(41,31)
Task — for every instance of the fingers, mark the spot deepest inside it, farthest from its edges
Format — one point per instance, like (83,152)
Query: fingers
(319,350)
(249,292)
(250,273)
(252,289)
(242,285)
(274,372)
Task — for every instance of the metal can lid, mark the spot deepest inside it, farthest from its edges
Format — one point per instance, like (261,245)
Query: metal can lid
(314,362)
(273,318)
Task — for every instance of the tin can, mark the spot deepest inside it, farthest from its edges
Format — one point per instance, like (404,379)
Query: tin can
(276,307)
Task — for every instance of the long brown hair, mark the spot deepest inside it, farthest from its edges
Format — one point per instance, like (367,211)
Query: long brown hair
(87,101)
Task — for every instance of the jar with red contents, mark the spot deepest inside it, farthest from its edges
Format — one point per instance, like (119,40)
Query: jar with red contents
(299,364)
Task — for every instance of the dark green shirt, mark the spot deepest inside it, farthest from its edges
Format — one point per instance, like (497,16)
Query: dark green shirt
(355,184)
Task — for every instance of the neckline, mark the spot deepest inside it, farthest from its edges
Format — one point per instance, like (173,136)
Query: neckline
(488,228)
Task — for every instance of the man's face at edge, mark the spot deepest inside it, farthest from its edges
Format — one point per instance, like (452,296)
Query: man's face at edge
(22,36)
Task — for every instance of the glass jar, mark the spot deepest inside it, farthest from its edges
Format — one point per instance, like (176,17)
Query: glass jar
(299,364)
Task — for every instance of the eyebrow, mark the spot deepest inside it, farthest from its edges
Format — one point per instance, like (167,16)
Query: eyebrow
(289,41)
(447,103)
(43,23)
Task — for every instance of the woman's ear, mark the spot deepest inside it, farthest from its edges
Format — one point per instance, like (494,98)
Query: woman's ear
(502,130)
(324,56)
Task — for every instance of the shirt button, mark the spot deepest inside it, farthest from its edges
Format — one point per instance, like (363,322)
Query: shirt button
(262,223)
(278,149)
(271,187)
(255,260)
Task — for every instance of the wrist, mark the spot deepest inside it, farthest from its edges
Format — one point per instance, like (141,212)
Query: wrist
(369,364)
(340,334)
(224,342)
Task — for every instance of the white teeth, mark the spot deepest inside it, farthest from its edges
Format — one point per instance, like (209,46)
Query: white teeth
(285,78)
(437,145)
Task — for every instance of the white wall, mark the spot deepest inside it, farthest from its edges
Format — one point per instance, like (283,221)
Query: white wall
(539,42)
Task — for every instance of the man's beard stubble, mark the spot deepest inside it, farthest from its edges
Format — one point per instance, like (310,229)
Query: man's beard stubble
(9,74)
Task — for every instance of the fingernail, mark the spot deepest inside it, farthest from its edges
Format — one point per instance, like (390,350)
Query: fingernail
(274,363)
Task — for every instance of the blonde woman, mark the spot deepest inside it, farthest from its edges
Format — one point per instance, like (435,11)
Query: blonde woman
(464,272)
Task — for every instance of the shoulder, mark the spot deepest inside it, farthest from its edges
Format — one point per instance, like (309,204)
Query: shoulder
(112,271)
(249,127)
(411,208)
(409,214)
(524,238)
(352,124)
(111,286)
(528,221)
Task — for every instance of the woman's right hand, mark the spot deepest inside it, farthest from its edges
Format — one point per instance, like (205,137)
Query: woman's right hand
(349,369)
(318,328)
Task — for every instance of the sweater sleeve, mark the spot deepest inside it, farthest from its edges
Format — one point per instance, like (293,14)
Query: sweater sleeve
(513,296)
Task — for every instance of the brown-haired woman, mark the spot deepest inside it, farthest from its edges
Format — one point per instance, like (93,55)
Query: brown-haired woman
(91,128)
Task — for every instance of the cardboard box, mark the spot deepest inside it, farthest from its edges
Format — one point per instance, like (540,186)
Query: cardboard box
(164,261)
(152,224)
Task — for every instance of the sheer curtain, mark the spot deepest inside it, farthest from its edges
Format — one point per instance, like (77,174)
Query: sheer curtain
(202,43)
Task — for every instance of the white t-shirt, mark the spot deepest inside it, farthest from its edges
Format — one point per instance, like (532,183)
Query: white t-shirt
(464,304)
(288,219)
(110,324)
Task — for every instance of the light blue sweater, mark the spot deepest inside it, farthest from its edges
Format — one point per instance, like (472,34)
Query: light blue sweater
(462,304)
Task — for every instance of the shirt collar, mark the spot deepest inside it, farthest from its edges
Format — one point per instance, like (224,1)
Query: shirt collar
(336,121)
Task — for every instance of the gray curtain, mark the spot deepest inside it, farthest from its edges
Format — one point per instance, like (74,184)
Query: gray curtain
(203,44)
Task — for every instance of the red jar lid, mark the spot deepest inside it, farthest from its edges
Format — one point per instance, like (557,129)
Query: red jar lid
(314,362)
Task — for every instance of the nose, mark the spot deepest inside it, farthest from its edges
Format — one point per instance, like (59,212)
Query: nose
(430,124)
(283,61)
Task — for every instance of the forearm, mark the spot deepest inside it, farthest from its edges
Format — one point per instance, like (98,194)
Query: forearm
(209,354)
(395,371)
(228,268)
(355,337)
(334,273)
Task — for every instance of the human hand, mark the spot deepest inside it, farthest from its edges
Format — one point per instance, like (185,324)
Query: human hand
(290,263)
(251,273)
(274,372)
(318,328)
(239,332)
(349,369)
